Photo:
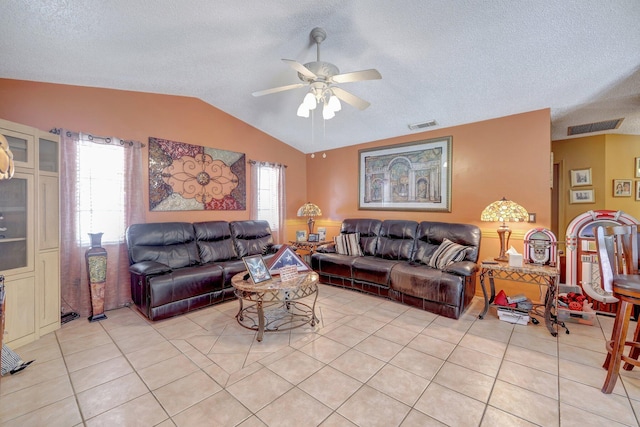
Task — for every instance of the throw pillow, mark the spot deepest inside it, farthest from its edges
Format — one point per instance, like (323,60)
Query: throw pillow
(447,253)
(348,244)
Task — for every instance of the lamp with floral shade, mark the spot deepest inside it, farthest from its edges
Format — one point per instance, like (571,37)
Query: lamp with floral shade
(309,210)
(504,211)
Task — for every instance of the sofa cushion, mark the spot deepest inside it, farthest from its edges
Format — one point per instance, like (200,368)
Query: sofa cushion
(431,234)
(396,240)
(348,244)
(372,270)
(214,241)
(169,243)
(185,283)
(369,230)
(419,280)
(251,237)
(447,253)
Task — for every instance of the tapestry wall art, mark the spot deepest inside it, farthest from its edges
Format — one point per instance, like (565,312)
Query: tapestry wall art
(187,177)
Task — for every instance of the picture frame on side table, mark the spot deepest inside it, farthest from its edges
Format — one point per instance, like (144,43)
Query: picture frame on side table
(406,177)
(257,268)
(313,237)
(582,196)
(301,236)
(580,177)
(322,234)
(622,188)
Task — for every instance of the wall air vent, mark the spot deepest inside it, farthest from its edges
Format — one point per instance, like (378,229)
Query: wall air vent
(423,125)
(594,127)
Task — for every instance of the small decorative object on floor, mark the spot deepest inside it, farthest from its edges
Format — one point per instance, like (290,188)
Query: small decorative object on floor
(96,258)
(11,362)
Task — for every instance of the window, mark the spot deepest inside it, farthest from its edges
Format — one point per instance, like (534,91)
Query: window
(267,187)
(101,191)
(268,196)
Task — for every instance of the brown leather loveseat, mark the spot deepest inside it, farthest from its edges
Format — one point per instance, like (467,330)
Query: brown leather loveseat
(396,258)
(177,267)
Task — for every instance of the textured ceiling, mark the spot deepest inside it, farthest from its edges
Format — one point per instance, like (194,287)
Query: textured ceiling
(453,61)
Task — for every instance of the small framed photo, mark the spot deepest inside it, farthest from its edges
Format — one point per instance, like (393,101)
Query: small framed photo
(257,268)
(637,167)
(301,236)
(580,177)
(582,196)
(638,190)
(622,188)
(314,237)
(322,234)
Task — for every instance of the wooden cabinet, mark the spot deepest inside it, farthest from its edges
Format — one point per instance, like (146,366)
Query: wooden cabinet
(30,235)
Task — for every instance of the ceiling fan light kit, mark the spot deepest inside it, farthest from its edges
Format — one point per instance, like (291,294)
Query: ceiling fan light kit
(322,78)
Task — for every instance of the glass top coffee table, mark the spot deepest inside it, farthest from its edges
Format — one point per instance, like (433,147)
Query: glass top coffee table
(277,304)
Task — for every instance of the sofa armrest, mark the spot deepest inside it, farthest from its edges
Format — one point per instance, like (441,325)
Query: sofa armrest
(147,268)
(329,248)
(462,268)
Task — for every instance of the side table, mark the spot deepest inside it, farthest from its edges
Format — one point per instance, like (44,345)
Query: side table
(529,273)
(309,247)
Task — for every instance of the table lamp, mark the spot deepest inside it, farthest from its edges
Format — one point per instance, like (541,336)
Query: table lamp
(504,211)
(309,210)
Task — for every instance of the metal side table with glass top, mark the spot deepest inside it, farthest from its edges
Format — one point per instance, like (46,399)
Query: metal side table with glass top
(542,275)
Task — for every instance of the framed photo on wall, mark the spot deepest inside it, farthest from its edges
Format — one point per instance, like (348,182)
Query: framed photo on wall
(622,188)
(637,167)
(580,177)
(582,196)
(406,177)
(637,190)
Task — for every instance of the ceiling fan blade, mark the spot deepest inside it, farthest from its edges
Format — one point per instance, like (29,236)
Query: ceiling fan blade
(277,89)
(300,68)
(349,98)
(357,76)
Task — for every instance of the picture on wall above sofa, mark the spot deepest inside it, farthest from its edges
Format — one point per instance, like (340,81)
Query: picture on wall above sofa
(187,177)
(407,177)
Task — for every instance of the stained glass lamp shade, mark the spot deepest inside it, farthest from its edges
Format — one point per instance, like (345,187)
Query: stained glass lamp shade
(504,211)
(309,210)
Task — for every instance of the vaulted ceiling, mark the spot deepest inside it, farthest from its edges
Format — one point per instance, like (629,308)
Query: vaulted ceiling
(454,62)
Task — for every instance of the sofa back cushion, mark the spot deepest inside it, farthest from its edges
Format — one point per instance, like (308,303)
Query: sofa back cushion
(169,243)
(397,239)
(431,234)
(214,241)
(251,237)
(369,229)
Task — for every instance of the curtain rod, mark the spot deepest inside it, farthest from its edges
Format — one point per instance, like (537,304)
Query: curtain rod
(257,162)
(106,139)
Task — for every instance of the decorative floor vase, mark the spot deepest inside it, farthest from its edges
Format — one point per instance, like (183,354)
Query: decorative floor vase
(96,258)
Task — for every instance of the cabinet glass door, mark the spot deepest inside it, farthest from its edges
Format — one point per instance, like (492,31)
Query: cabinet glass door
(14,229)
(21,145)
(48,155)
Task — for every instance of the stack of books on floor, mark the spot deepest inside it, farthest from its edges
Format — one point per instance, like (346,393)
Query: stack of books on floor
(513,315)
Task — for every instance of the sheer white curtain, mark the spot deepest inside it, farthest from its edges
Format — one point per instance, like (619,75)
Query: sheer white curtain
(101,190)
(268,196)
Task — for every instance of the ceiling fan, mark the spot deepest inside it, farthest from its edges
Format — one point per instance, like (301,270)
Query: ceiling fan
(323,78)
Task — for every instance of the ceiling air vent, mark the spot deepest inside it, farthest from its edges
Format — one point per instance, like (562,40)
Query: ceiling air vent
(594,127)
(423,125)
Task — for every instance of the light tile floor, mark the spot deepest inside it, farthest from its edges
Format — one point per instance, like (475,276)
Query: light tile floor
(370,362)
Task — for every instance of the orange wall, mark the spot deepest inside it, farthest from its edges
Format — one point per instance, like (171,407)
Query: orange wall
(508,156)
(137,116)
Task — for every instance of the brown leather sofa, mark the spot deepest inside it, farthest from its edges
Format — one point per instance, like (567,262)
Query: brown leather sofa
(395,261)
(177,267)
